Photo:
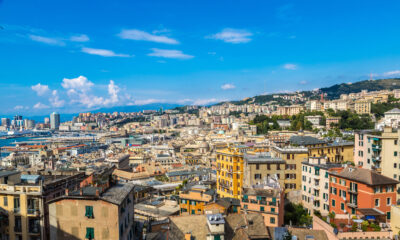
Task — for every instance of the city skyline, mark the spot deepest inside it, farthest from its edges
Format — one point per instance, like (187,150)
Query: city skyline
(73,56)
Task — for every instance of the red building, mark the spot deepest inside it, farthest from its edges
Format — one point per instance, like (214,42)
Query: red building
(361,192)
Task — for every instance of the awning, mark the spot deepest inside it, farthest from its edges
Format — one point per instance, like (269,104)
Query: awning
(370,212)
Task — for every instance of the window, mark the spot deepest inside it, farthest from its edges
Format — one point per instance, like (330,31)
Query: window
(261,209)
(395,142)
(89,233)
(388,215)
(273,209)
(89,212)
(272,220)
(388,201)
(257,166)
(395,153)
(333,202)
(342,206)
(257,176)
(5,200)
(376,202)
(245,206)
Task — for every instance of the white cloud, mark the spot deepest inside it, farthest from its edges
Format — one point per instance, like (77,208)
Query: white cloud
(47,40)
(79,38)
(165,53)
(79,84)
(19,107)
(231,35)
(185,101)
(135,34)
(290,66)
(391,73)
(113,91)
(148,101)
(55,100)
(228,86)
(40,105)
(205,101)
(40,89)
(304,82)
(103,52)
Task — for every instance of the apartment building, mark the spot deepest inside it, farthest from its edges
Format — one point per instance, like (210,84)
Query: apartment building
(230,171)
(368,149)
(192,202)
(94,213)
(293,157)
(315,184)
(260,166)
(266,199)
(362,192)
(23,200)
(289,110)
(362,106)
(331,121)
(334,152)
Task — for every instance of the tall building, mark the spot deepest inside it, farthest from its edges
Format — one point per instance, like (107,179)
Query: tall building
(54,120)
(315,184)
(5,122)
(230,171)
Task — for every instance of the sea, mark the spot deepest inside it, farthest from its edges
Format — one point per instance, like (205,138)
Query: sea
(11,141)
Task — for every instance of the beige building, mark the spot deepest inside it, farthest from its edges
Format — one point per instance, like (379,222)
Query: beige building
(259,166)
(93,213)
(390,154)
(293,156)
(289,110)
(362,106)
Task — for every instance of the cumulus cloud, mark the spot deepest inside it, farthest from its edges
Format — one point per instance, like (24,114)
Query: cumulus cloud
(55,100)
(113,91)
(40,89)
(47,40)
(392,73)
(80,83)
(165,53)
(79,38)
(40,105)
(135,34)
(231,35)
(228,86)
(103,52)
(290,66)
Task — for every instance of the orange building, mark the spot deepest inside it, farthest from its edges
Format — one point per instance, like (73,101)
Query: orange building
(361,192)
(268,202)
(192,202)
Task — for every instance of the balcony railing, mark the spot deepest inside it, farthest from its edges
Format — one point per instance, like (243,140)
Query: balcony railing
(33,211)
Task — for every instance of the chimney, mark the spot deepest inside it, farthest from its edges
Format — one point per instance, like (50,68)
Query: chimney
(188,236)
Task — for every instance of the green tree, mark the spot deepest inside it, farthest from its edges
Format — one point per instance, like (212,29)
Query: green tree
(297,215)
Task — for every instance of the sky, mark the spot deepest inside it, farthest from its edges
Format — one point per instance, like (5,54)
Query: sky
(79,55)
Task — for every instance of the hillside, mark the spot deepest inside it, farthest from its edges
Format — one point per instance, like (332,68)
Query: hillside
(335,91)
(332,92)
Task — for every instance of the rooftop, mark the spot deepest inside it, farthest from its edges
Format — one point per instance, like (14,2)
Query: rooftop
(365,176)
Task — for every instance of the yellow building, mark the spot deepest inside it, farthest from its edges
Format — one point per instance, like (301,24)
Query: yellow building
(90,213)
(337,152)
(192,202)
(293,156)
(362,106)
(230,171)
(390,161)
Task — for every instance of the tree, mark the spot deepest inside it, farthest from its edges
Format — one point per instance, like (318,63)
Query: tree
(296,215)
(288,236)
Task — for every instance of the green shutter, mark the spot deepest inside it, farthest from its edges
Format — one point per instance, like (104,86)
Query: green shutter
(89,233)
(89,211)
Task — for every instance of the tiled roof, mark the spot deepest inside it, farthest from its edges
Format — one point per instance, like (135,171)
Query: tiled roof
(365,176)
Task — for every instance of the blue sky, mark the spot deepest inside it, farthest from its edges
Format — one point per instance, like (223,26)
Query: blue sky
(74,56)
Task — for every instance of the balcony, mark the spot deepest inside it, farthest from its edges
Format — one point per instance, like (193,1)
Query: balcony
(262,202)
(353,190)
(17,210)
(352,204)
(33,212)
